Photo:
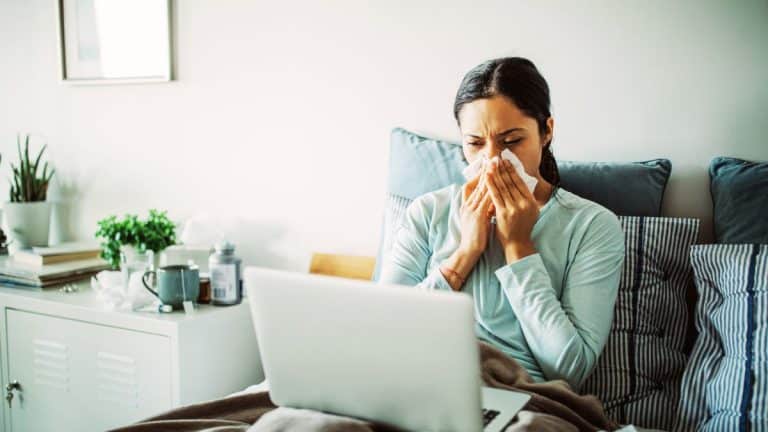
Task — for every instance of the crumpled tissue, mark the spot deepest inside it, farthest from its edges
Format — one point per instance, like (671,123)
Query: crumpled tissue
(116,292)
(474,168)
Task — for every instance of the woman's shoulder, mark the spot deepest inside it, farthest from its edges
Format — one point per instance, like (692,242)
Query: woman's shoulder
(434,206)
(571,202)
(588,213)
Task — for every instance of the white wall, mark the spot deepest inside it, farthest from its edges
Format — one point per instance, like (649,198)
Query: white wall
(280,113)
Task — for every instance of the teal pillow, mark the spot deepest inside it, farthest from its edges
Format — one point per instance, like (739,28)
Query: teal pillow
(418,164)
(625,188)
(740,199)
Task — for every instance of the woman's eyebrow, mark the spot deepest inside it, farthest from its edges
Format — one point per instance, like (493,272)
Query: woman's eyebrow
(509,131)
(506,132)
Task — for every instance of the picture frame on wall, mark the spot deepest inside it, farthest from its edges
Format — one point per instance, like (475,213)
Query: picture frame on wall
(115,41)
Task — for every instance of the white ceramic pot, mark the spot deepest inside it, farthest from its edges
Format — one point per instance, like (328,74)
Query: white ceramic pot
(26,224)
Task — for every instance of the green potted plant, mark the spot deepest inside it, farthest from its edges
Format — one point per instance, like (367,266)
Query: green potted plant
(27,215)
(132,236)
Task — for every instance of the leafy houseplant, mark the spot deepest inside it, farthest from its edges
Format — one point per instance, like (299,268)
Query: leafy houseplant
(27,186)
(27,214)
(155,234)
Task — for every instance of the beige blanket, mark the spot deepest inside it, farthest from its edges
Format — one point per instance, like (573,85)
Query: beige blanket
(553,407)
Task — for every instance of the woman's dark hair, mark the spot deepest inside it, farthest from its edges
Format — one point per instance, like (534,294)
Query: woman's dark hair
(518,80)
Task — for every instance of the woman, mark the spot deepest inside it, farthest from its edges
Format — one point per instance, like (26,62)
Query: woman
(543,267)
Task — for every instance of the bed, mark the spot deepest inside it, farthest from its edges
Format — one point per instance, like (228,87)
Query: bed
(689,318)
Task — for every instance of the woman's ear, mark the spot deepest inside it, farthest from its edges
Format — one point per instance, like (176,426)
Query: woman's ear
(550,130)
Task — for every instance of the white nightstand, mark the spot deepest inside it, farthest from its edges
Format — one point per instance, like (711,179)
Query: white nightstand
(82,368)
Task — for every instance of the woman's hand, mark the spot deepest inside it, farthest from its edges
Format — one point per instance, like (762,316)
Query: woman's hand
(516,209)
(474,215)
(474,222)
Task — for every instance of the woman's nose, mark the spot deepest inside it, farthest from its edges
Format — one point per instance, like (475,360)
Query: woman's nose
(493,151)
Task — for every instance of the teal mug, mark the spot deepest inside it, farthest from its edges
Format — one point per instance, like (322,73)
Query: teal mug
(174,284)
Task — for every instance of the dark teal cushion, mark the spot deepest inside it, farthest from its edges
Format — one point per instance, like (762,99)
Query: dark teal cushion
(418,165)
(740,198)
(626,188)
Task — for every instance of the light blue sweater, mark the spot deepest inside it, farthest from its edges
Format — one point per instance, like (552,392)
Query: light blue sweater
(551,311)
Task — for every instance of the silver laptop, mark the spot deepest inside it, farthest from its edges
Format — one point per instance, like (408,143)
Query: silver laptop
(387,353)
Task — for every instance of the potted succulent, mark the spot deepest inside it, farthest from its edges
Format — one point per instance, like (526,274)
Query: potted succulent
(27,215)
(134,237)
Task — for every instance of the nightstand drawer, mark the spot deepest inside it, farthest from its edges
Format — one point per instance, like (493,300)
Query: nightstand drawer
(85,375)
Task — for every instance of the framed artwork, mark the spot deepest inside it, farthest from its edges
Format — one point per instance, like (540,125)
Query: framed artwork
(115,41)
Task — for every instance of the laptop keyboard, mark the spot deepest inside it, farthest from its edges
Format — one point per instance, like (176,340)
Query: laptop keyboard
(489,415)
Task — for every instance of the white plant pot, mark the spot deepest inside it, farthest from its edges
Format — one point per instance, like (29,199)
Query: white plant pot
(26,224)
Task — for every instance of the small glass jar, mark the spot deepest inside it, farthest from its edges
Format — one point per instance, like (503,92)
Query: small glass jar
(224,269)
(205,289)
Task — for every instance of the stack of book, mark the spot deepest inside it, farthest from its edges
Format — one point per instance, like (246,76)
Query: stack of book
(47,266)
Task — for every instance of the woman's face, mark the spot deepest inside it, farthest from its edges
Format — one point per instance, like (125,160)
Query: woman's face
(488,126)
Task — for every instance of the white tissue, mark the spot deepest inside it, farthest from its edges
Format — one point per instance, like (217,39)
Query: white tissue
(110,288)
(474,168)
(471,170)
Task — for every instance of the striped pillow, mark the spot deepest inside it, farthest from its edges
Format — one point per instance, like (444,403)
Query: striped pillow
(638,374)
(725,386)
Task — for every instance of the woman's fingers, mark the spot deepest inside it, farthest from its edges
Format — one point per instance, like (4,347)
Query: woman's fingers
(485,203)
(495,190)
(472,185)
(475,196)
(482,187)
(469,189)
(516,183)
(482,194)
(480,198)
(505,173)
(504,189)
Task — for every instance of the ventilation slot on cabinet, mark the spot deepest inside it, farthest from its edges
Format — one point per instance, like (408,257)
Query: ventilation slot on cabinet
(51,364)
(117,379)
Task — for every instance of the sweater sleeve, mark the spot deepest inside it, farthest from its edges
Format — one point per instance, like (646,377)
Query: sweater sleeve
(566,335)
(408,259)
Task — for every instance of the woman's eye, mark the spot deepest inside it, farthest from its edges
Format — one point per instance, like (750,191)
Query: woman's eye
(474,143)
(510,142)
